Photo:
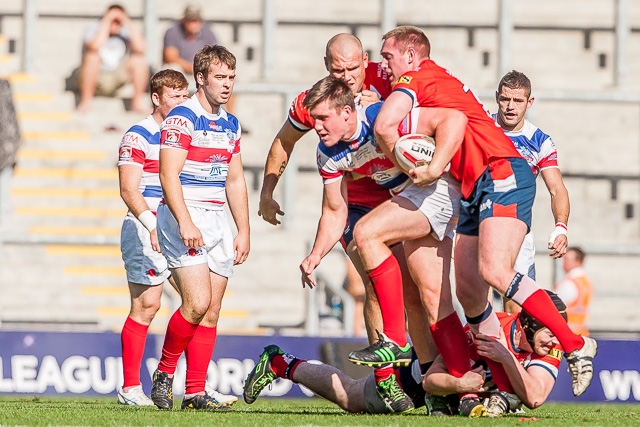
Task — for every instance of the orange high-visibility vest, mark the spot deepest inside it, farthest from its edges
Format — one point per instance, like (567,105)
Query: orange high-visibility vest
(577,311)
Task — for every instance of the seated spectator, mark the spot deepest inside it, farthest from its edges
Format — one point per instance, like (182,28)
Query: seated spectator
(183,40)
(112,55)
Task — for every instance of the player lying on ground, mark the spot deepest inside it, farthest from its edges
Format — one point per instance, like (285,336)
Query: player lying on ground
(529,353)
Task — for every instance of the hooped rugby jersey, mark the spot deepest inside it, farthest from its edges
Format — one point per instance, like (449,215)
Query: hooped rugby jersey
(537,148)
(550,361)
(362,191)
(210,141)
(433,86)
(140,146)
(361,156)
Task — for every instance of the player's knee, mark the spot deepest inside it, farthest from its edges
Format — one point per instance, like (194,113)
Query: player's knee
(496,275)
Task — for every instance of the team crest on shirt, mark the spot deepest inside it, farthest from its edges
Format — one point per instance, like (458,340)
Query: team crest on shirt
(555,353)
(125,153)
(404,79)
(172,138)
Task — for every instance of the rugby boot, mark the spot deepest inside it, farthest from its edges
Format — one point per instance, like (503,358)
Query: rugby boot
(261,375)
(162,390)
(472,407)
(203,402)
(394,398)
(134,397)
(581,365)
(225,399)
(382,352)
(501,402)
(437,406)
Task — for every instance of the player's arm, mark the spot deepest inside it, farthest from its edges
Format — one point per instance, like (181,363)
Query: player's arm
(137,44)
(330,228)
(238,205)
(448,127)
(440,382)
(558,242)
(532,385)
(129,176)
(391,114)
(171,163)
(277,160)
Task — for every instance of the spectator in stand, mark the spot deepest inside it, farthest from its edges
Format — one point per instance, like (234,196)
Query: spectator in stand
(113,54)
(575,290)
(184,39)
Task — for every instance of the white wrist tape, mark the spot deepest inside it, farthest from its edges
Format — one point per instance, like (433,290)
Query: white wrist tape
(561,228)
(148,219)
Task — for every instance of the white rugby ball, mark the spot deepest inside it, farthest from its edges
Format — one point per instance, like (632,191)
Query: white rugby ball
(413,150)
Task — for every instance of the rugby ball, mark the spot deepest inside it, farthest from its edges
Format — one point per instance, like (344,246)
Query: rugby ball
(413,150)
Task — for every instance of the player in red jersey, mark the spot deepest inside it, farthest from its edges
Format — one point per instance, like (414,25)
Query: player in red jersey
(528,351)
(346,60)
(498,189)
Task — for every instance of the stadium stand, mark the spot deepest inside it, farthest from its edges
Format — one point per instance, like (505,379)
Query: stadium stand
(60,264)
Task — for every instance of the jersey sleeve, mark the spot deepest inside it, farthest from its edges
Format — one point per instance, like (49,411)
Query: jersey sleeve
(133,149)
(177,128)
(548,155)
(550,362)
(299,116)
(327,167)
(377,80)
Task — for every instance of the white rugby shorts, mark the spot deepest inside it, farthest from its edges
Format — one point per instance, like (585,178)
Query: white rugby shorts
(217,251)
(525,262)
(439,202)
(143,265)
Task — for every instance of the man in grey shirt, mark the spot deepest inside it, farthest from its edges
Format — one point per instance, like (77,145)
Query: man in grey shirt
(184,39)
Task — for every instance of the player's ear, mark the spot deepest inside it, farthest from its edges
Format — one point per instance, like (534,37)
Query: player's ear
(365,59)
(497,97)
(530,101)
(326,63)
(155,99)
(200,78)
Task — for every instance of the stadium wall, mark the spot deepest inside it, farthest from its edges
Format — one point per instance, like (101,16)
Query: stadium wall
(51,363)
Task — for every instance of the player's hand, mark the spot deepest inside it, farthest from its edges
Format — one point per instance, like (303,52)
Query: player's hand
(268,210)
(422,176)
(473,380)
(241,247)
(306,268)
(558,242)
(491,348)
(368,97)
(191,235)
(155,245)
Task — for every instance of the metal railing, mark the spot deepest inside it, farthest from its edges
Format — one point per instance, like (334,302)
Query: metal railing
(387,20)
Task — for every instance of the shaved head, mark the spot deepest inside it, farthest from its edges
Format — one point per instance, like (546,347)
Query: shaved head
(343,44)
(346,60)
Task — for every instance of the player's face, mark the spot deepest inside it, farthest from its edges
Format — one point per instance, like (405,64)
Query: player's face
(330,124)
(350,68)
(169,98)
(218,85)
(544,342)
(394,62)
(512,107)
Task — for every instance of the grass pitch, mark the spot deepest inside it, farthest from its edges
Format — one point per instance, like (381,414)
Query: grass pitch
(20,411)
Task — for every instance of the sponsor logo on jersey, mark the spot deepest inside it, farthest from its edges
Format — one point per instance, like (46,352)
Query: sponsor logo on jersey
(130,138)
(176,122)
(217,158)
(555,353)
(404,79)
